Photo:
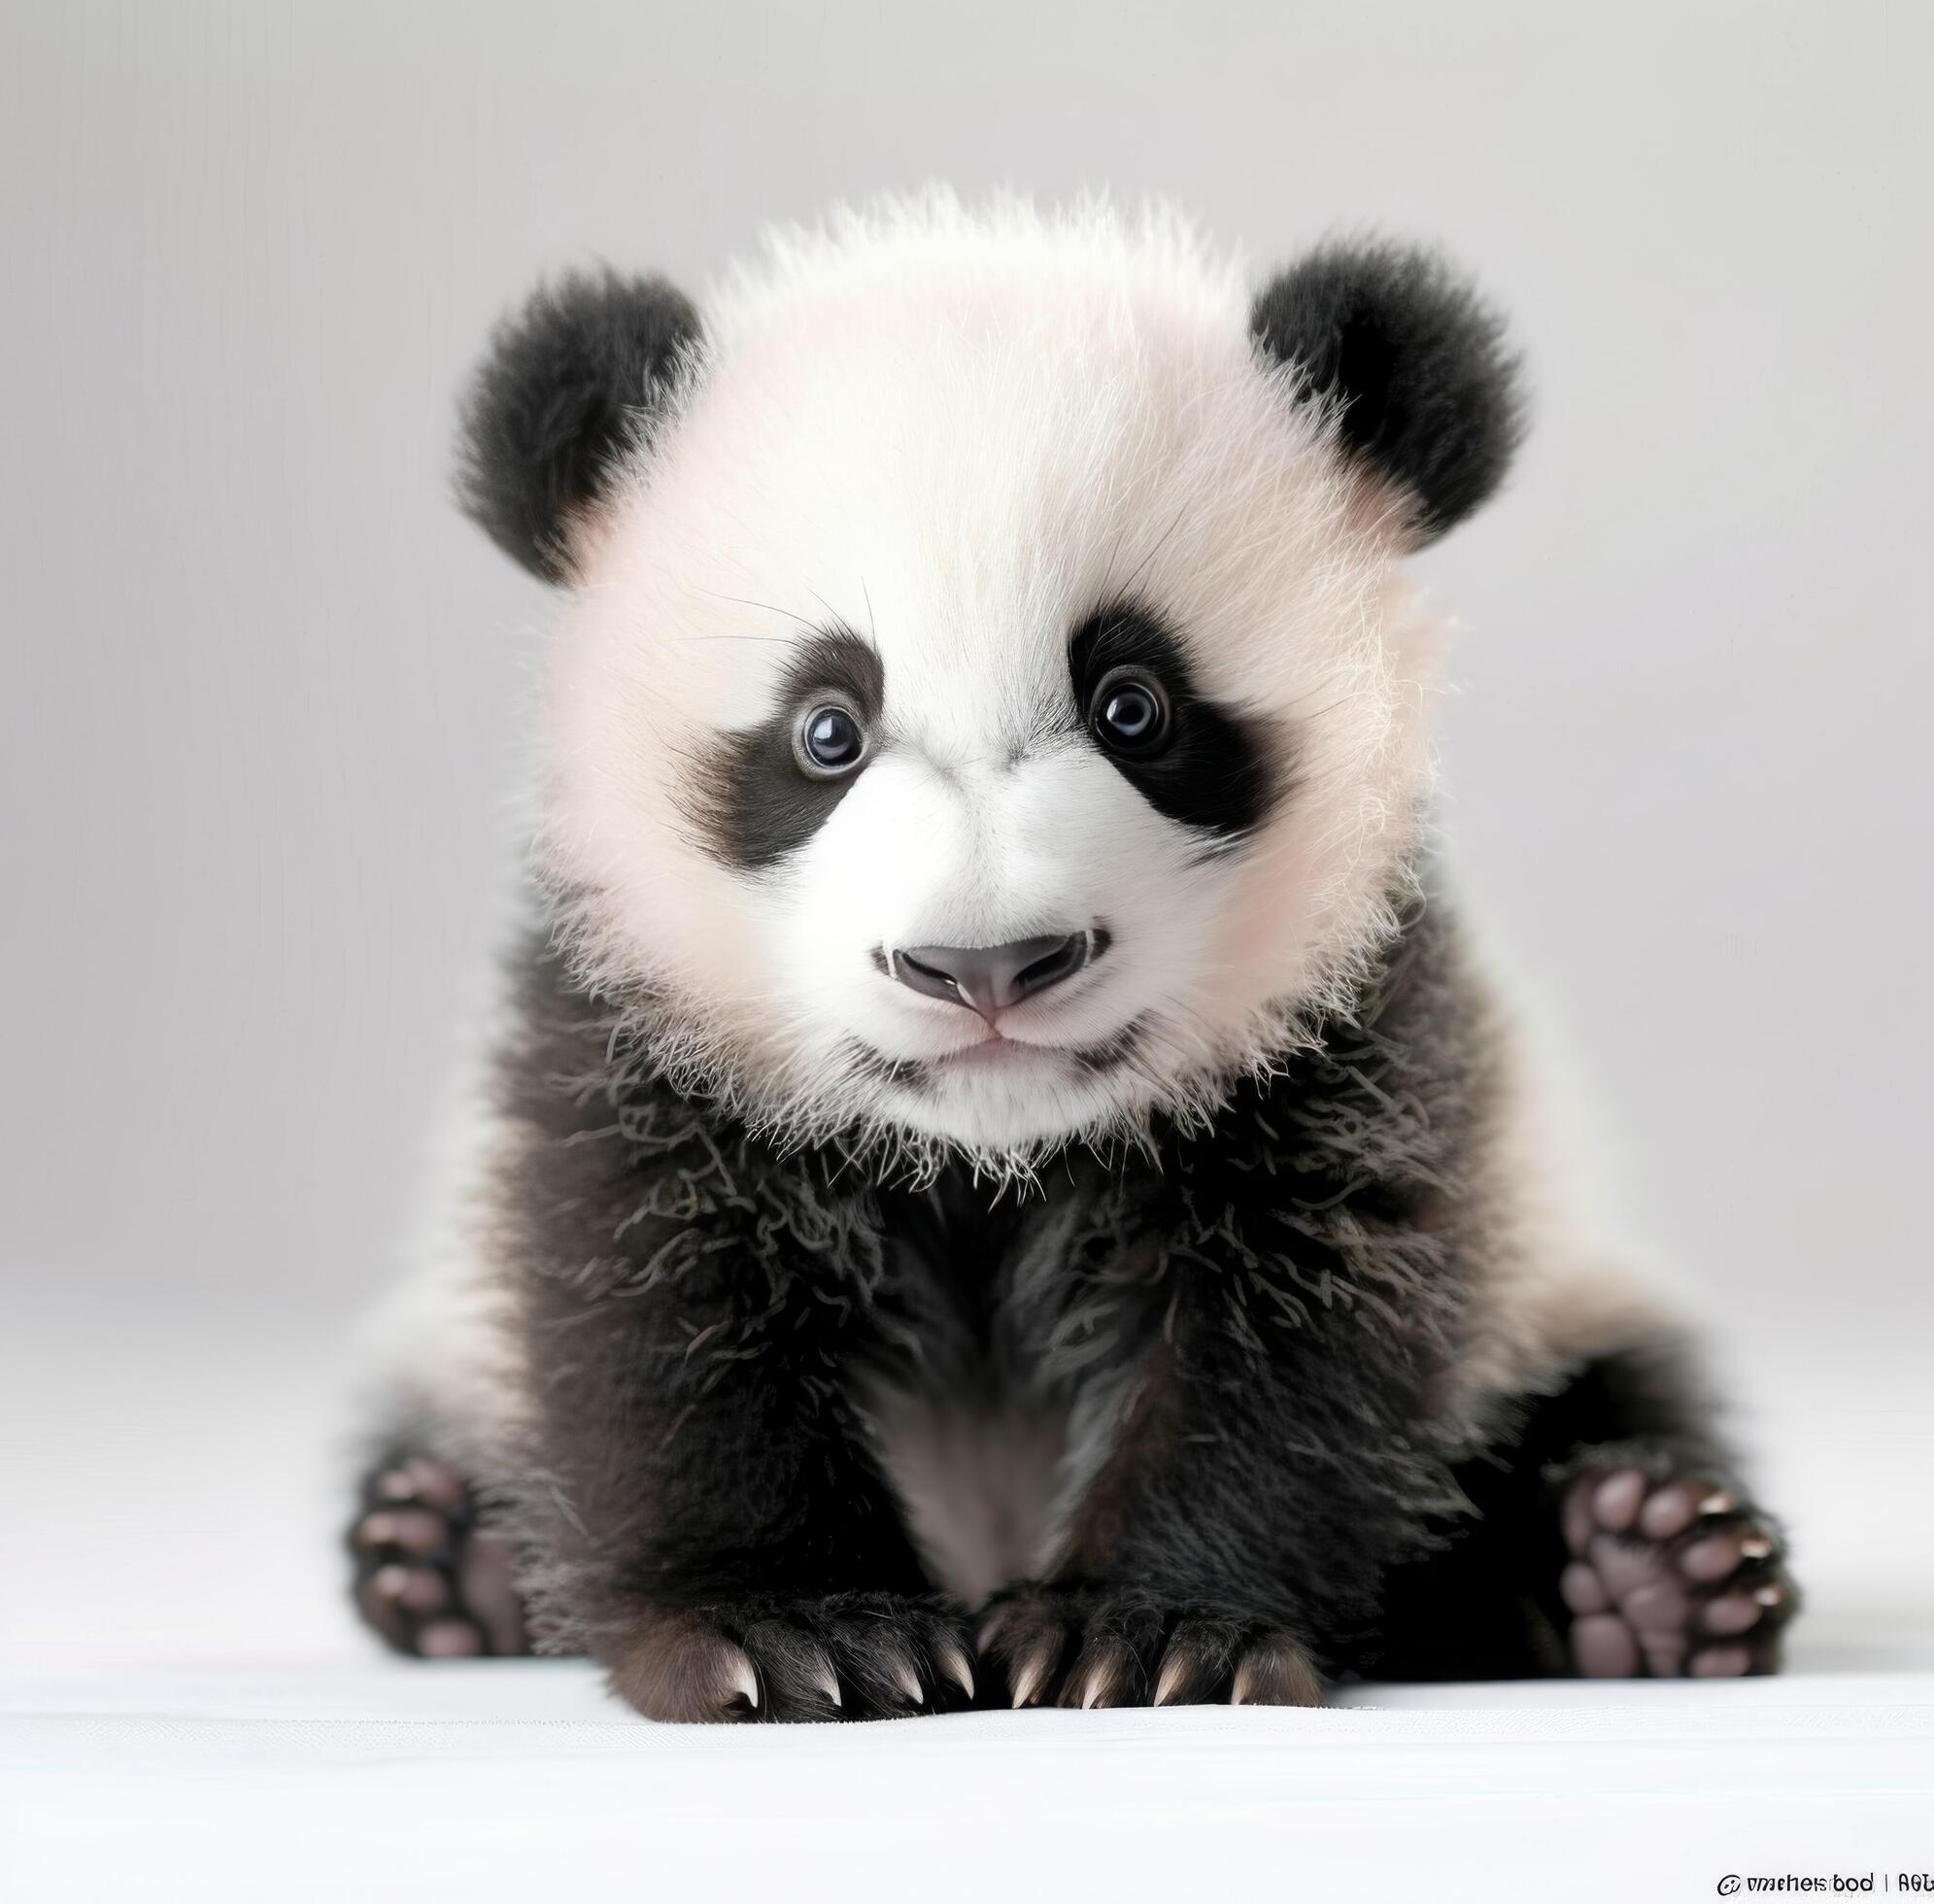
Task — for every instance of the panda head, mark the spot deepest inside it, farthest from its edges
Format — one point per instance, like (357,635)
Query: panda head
(988,708)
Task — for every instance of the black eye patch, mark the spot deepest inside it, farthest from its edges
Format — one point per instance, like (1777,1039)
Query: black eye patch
(1215,767)
(747,796)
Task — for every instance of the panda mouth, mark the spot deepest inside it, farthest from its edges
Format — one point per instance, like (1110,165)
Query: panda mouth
(996,1050)
(996,1053)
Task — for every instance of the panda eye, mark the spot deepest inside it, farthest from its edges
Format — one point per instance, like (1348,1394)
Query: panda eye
(829,742)
(1130,713)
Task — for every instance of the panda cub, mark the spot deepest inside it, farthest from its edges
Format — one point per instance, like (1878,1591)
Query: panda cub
(996,1176)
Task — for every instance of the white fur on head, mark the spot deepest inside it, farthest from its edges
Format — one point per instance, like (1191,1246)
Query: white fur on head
(958,434)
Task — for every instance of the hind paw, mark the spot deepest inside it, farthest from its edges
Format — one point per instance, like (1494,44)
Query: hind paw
(1669,1578)
(428,1579)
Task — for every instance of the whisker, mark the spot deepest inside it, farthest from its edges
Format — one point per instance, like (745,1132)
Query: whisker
(777,640)
(771,608)
(1161,543)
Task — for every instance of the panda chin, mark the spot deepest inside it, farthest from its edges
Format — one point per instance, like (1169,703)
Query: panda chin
(1024,1109)
(1006,1098)
(1001,1056)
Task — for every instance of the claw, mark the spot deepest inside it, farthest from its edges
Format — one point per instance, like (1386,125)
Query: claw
(953,1662)
(1173,1677)
(1096,1683)
(1276,1674)
(1030,1677)
(744,1678)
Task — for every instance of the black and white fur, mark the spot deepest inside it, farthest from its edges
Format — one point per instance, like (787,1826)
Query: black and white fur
(802,1341)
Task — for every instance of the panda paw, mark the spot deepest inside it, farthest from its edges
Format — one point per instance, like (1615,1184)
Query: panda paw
(428,1579)
(1083,1647)
(848,1655)
(1669,1576)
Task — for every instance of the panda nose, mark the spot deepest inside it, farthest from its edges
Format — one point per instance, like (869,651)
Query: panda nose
(991,977)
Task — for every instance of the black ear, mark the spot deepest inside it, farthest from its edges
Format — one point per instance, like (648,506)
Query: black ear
(567,386)
(1426,388)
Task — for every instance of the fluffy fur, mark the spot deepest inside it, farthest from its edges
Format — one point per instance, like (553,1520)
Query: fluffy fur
(1186,1307)
(1425,388)
(1079,407)
(568,394)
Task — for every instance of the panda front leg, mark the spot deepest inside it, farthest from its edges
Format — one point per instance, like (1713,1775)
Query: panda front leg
(710,1524)
(1241,1490)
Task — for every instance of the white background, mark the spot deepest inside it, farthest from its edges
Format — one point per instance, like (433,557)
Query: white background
(262,687)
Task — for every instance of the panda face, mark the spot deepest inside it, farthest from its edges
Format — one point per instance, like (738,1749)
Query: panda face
(989,714)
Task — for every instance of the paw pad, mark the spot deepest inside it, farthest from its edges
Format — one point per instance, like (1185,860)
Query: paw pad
(428,1579)
(1672,1577)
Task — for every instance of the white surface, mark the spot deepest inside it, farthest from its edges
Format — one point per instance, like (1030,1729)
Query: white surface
(244,1779)
(186,1710)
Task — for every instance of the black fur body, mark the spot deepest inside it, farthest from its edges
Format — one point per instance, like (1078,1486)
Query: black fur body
(1248,1339)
